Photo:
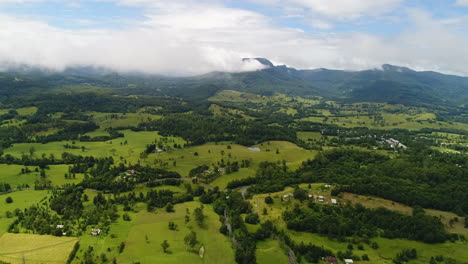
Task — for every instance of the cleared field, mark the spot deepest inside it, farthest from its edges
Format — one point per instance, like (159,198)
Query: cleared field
(270,252)
(223,111)
(374,202)
(388,248)
(211,154)
(107,120)
(150,229)
(27,248)
(21,200)
(136,143)
(11,174)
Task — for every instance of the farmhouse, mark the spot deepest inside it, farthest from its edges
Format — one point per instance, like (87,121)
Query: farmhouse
(393,143)
(331,260)
(96,232)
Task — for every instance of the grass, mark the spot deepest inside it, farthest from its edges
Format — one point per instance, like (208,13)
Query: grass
(107,120)
(388,248)
(269,252)
(375,202)
(27,248)
(136,143)
(211,154)
(21,199)
(150,229)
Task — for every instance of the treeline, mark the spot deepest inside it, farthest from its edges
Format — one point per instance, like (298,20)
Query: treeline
(199,129)
(419,177)
(349,220)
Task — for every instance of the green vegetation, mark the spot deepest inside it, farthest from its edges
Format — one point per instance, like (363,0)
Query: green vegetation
(246,169)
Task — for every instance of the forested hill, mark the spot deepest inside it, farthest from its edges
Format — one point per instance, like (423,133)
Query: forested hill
(390,83)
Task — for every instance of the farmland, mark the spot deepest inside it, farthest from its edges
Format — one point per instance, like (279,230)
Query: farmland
(138,177)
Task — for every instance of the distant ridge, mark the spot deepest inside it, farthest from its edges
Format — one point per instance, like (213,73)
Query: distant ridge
(263,61)
(389,83)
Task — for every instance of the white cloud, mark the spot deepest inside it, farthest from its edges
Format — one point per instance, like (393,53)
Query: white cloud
(349,9)
(188,39)
(462,2)
(339,9)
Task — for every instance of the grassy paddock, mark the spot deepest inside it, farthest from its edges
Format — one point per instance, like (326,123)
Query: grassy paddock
(35,249)
(150,229)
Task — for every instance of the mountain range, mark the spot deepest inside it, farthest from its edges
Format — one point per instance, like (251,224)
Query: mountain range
(391,84)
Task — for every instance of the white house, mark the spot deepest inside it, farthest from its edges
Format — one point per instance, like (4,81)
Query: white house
(348,261)
(333,201)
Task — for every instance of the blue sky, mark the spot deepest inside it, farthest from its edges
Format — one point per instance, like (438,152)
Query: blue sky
(192,37)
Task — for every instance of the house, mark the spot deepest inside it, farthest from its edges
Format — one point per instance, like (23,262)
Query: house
(333,201)
(348,261)
(254,149)
(60,226)
(96,232)
(310,196)
(321,198)
(331,260)
(327,186)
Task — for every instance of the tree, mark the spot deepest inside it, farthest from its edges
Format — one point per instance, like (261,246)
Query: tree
(268,200)
(190,239)
(9,200)
(32,150)
(199,216)
(300,194)
(165,245)
(170,208)
(172,226)
(252,219)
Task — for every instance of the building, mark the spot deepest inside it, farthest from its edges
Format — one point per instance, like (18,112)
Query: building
(333,201)
(348,261)
(331,260)
(321,198)
(96,232)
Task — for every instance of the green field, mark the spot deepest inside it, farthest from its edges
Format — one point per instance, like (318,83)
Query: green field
(388,248)
(136,143)
(210,154)
(21,199)
(35,249)
(269,252)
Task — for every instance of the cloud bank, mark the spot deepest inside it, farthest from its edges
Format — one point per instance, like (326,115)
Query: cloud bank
(196,37)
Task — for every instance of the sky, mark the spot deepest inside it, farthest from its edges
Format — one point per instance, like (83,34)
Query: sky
(188,37)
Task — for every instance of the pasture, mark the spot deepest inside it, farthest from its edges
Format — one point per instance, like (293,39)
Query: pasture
(35,249)
(388,248)
(21,199)
(270,252)
(210,154)
(128,147)
(148,230)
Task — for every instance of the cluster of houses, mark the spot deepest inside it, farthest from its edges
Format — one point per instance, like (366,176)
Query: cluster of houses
(319,198)
(129,174)
(393,143)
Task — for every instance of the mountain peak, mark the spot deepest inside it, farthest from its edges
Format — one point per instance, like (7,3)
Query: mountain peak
(263,61)
(389,67)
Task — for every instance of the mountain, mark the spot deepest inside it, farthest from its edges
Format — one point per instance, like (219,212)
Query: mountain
(392,84)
